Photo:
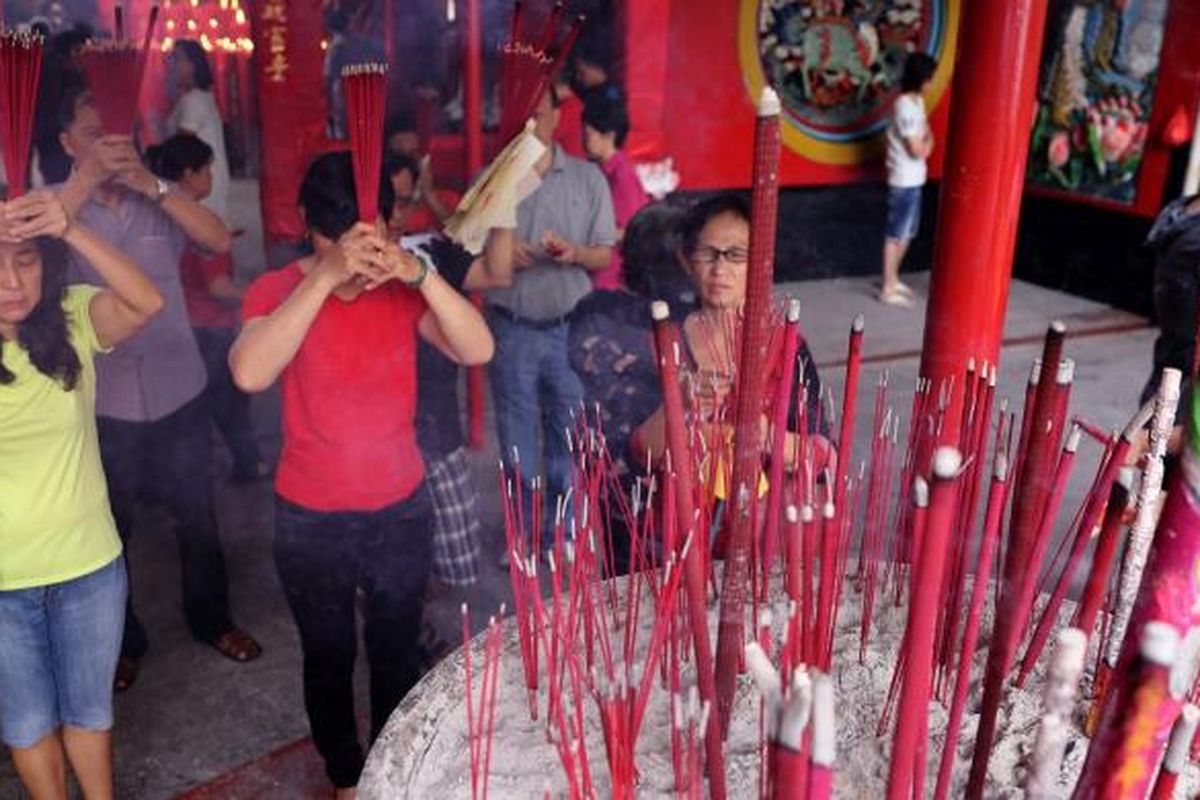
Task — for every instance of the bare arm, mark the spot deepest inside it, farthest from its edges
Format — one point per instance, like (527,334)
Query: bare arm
(919,146)
(199,224)
(494,269)
(267,344)
(453,325)
(129,300)
(223,289)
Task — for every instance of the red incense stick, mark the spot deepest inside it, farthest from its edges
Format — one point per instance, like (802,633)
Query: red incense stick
(912,715)
(1176,758)
(365,88)
(983,570)
(114,72)
(1029,500)
(747,461)
(1132,746)
(20,73)
(1106,550)
(783,394)
(667,343)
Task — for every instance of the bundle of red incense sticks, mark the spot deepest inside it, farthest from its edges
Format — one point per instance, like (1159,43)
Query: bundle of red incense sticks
(365,88)
(20,71)
(114,70)
(529,61)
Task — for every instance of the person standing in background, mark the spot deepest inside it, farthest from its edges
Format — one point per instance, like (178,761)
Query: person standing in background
(605,126)
(909,145)
(155,432)
(196,112)
(565,232)
(212,301)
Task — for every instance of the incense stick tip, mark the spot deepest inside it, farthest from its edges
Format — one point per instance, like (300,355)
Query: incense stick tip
(859,324)
(659,311)
(1058,328)
(920,492)
(1159,643)
(793,309)
(946,462)
(768,103)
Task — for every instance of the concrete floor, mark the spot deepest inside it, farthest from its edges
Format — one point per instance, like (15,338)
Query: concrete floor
(194,716)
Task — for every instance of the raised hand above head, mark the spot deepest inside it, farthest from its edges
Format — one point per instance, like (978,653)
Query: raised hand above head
(39,213)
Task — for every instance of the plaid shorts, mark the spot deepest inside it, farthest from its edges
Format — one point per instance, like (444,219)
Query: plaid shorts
(456,525)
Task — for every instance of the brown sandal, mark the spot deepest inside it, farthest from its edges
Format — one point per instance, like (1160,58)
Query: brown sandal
(237,645)
(127,672)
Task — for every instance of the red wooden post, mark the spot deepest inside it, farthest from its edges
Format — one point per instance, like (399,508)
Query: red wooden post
(999,53)
(473,130)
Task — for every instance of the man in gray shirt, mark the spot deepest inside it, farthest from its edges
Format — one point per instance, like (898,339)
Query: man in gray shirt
(565,230)
(155,436)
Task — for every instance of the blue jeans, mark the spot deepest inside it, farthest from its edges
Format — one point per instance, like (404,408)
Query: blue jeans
(903,212)
(58,654)
(535,392)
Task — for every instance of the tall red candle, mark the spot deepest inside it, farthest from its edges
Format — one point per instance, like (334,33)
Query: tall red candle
(747,464)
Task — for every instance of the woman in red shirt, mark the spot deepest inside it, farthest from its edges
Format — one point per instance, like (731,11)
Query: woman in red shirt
(340,329)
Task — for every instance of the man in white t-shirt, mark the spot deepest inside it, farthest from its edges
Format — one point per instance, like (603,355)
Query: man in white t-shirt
(909,143)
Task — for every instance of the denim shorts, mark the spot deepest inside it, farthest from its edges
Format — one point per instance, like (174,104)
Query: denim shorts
(903,212)
(58,654)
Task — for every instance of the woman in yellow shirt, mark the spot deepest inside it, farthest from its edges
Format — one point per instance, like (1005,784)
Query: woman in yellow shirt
(62,579)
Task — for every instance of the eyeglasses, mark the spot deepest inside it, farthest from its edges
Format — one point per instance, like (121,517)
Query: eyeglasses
(708,256)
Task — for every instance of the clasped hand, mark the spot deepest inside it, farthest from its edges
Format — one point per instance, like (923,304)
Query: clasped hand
(39,213)
(364,256)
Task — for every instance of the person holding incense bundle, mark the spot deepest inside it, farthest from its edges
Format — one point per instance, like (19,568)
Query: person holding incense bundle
(340,330)
(212,299)
(565,232)
(62,579)
(715,250)
(155,431)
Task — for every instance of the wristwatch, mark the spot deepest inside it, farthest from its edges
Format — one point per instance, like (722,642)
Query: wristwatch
(427,266)
(161,190)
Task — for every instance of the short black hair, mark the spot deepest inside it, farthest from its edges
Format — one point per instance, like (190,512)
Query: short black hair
(190,49)
(327,195)
(178,154)
(699,215)
(606,115)
(400,162)
(73,98)
(400,122)
(649,264)
(918,70)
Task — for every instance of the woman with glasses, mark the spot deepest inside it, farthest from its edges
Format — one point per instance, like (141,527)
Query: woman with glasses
(715,251)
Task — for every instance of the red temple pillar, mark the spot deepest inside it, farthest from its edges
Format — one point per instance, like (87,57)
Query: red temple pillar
(991,114)
(473,131)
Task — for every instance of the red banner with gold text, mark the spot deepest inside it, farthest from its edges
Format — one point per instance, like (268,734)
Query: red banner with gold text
(289,62)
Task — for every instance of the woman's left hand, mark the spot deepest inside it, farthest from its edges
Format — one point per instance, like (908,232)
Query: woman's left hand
(387,260)
(39,213)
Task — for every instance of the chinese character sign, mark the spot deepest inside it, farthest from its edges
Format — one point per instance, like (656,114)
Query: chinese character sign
(289,42)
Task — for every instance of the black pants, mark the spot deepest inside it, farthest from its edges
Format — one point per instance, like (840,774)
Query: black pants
(323,559)
(229,405)
(171,460)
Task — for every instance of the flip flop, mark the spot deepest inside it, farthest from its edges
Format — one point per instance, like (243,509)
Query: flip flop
(127,672)
(237,645)
(895,298)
